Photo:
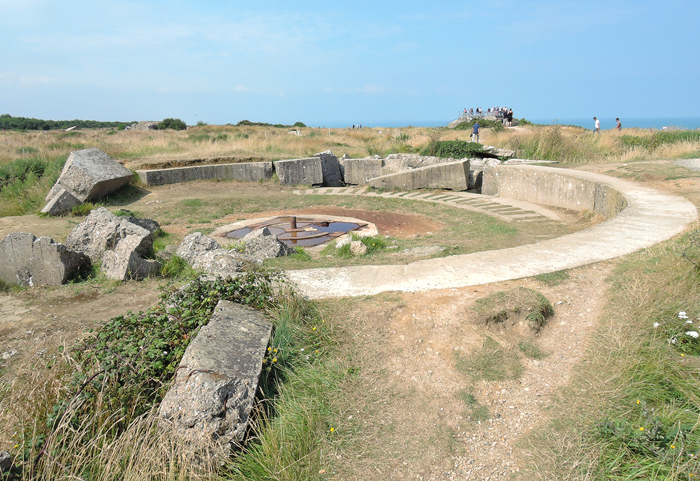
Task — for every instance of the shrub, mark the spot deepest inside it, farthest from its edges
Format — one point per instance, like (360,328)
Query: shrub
(456,149)
(170,123)
(82,209)
(495,125)
(299,124)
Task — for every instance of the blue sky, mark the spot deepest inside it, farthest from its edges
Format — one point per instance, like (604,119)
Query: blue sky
(339,63)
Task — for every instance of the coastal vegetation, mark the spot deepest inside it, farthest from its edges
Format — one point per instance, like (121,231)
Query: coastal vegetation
(85,406)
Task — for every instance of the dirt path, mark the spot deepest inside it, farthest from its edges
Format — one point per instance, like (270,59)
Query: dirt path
(408,413)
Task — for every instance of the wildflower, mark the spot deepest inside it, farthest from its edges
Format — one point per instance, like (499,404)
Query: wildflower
(16,446)
(316,351)
(274,359)
(673,446)
(693,334)
(656,324)
(269,349)
(641,429)
(682,315)
(682,355)
(332,429)
(302,349)
(313,329)
(638,401)
(275,351)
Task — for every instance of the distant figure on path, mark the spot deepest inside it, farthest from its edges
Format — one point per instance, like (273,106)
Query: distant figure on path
(475,132)
(510,117)
(619,124)
(597,125)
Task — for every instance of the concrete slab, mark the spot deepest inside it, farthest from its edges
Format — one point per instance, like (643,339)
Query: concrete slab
(448,175)
(244,171)
(649,218)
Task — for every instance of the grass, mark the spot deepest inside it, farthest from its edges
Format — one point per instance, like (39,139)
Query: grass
(108,429)
(514,304)
(492,362)
(632,409)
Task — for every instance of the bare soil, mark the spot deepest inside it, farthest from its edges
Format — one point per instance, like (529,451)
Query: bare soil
(406,410)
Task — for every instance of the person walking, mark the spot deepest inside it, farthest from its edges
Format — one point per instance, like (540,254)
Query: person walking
(619,124)
(597,125)
(475,132)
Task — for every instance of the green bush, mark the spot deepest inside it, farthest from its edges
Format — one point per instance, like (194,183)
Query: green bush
(299,124)
(456,149)
(174,124)
(82,209)
(660,138)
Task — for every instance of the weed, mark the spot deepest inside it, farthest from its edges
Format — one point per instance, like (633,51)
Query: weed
(456,149)
(374,243)
(475,411)
(500,306)
(192,203)
(491,363)
(531,350)
(177,268)
(301,255)
(82,210)
(553,278)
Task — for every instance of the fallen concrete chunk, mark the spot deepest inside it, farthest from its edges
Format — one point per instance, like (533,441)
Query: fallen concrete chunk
(299,171)
(101,231)
(330,168)
(496,152)
(214,387)
(194,245)
(63,201)
(360,171)
(220,262)
(28,261)
(124,262)
(244,171)
(89,175)
(262,244)
(448,175)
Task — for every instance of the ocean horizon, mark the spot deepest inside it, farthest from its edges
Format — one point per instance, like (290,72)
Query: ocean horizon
(656,123)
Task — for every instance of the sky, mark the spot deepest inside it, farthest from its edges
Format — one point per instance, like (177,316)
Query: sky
(345,62)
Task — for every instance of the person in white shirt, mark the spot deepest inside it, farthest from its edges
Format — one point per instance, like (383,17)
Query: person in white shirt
(597,125)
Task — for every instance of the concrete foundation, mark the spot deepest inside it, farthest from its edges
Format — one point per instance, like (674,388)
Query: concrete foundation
(554,187)
(299,171)
(449,175)
(248,171)
(360,171)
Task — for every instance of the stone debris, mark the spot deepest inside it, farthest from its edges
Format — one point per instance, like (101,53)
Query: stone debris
(124,262)
(102,231)
(330,167)
(5,461)
(358,248)
(194,245)
(220,262)
(143,125)
(496,152)
(262,244)
(214,389)
(87,175)
(9,354)
(28,261)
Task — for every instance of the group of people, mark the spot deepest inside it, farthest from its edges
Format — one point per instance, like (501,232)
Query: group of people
(356,126)
(502,113)
(596,128)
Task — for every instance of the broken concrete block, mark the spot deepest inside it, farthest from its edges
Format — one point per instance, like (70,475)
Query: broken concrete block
(299,171)
(214,387)
(195,244)
(124,262)
(62,201)
(448,175)
(330,169)
(360,171)
(28,261)
(90,174)
(101,231)
(220,262)
(262,244)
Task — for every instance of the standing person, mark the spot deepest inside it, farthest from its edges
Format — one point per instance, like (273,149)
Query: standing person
(475,132)
(619,124)
(510,118)
(597,125)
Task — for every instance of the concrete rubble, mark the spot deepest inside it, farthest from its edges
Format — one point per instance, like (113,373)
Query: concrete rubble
(214,389)
(205,254)
(87,175)
(120,244)
(28,261)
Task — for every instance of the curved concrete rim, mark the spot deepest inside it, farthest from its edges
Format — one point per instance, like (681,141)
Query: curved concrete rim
(650,217)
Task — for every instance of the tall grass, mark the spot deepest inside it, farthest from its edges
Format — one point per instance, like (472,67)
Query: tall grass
(633,411)
(25,182)
(90,436)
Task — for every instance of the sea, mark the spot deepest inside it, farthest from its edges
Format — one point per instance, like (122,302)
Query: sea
(656,123)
